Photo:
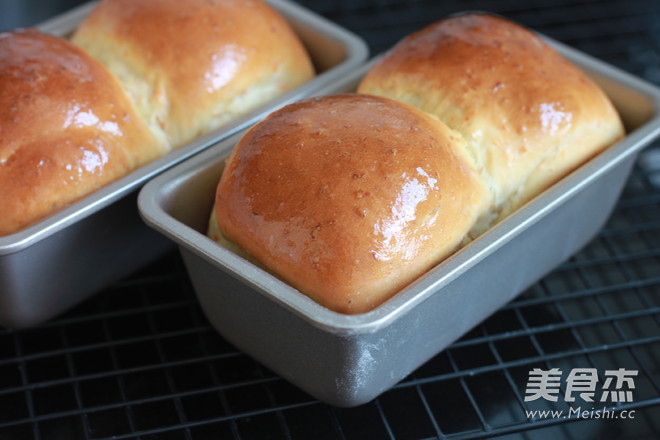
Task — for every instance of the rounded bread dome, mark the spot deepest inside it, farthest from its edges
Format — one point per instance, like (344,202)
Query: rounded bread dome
(348,198)
(192,66)
(528,115)
(66,127)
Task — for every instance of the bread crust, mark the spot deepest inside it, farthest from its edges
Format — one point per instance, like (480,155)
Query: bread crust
(192,66)
(66,127)
(349,198)
(529,115)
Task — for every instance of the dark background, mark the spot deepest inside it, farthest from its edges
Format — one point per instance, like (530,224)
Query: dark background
(140,360)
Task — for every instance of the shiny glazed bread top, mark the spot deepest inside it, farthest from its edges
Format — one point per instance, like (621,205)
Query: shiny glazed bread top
(528,115)
(349,198)
(192,66)
(66,127)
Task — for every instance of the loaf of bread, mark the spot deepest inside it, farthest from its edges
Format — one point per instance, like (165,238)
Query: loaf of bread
(192,66)
(141,77)
(528,115)
(66,127)
(348,198)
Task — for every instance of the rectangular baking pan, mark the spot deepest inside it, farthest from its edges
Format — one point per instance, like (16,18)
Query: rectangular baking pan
(51,265)
(348,360)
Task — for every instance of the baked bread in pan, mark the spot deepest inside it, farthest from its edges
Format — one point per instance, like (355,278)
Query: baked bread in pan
(142,77)
(349,198)
(66,127)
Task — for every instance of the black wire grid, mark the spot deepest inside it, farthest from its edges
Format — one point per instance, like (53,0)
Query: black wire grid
(140,361)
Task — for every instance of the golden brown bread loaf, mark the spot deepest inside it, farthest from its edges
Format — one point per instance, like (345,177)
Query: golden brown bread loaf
(348,198)
(191,66)
(528,115)
(66,127)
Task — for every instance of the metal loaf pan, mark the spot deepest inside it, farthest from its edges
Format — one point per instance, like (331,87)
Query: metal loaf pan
(63,259)
(348,360)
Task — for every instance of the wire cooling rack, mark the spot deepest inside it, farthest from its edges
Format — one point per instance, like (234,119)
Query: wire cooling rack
(140,361)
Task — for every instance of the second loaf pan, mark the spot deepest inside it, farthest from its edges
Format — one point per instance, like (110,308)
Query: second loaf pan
(348,360)
(55,263)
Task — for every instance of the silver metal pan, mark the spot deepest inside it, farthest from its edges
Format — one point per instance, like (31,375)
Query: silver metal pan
(348,360)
